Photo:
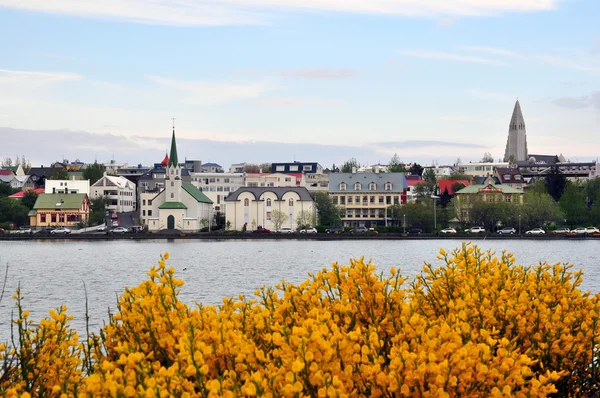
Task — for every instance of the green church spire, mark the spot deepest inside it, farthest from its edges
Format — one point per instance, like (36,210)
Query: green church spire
(173,156)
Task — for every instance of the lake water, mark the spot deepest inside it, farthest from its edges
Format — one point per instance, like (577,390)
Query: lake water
(52,273)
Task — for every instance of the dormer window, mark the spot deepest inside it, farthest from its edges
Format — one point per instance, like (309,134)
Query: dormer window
(518,177)
(343,186)
(388,186)
(506,177)
(371,187)
(357,186)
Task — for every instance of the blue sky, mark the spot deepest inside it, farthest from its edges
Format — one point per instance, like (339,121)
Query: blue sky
(377,75)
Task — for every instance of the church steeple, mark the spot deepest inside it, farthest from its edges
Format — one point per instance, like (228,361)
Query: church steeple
(173,156)
(516,145)
(517,121)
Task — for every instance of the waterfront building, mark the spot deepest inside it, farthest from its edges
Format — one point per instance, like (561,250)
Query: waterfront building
(179,205)
(68,186)
(254,207)
(516,144)
(60,210)
(487,192)
(118,191)
(363,198)
(216,186)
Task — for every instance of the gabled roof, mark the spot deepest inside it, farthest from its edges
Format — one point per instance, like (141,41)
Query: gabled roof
(195,193)
(117,181)
(13,168)
(475,188)
(447,185)
(172,205)
(59,201)
(43,171)
(211,165)
(7,178)
(278,191)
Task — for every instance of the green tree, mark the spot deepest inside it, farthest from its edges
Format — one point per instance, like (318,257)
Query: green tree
(6,190)
(573,203)
(94,172)
(592,189)
(416,169)
(265,167)
(456,176)
(327,212)
(13,211)
(539,209)
(492,214)
(98,212)
(445,198)
(395,165)
(278,218)
(349,165)
(29,199)
(538,186)
(594,215)
(59,174)
(555,183)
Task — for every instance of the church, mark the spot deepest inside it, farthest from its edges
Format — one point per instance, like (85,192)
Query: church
(180,205)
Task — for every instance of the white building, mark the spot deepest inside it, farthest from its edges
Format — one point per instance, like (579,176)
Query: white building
(440,171)
(254,207)
(68,186)
(480,169)
(118,191)
(272,180)
(315,182)
(179,206)
(216,186)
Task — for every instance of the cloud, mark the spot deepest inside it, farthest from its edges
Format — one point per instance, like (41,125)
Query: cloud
(202,93)
(585,101)
(413,144)
(230,12)
(583,65)
(441,55)
(35,78)
(323,73)
(490,51)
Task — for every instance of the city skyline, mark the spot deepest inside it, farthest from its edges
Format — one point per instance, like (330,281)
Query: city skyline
(430,81)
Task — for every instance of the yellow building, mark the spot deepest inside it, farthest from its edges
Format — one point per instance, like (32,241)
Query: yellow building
(60,210)
(491,193)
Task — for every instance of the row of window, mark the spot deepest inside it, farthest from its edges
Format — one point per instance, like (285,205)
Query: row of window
(218,189)
(293,168)
(363,213)
(268,202)
(149,213)
(372,186)
(343,200)
(57,217)
(214,180)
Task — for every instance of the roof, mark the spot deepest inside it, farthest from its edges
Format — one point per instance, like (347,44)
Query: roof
(6,179)
(211,165)
(474,189)
(6,173)
(447,185)
(539,159)
(413,182)
(52,200)
(173,157)
(43,171)
(508,170)
(278,191)
(20,194)
(172,205)
(9,168)
(196,193)
(398,181)
(165,161)
(118,181)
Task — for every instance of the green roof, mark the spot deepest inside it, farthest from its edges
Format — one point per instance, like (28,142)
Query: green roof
(173,156)
(13,168)
(172,205)
(59,201)
(196,193)
(476,187)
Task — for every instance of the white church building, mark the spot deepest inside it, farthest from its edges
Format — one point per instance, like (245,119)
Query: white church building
(180,205)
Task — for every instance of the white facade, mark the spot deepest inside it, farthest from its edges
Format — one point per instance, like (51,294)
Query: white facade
(315,182)
(480,169)
(441,171)
(68,186)
(271,180)
(119,191)
(216,186)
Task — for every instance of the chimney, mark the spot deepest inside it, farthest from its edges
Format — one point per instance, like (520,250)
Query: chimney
(353,170)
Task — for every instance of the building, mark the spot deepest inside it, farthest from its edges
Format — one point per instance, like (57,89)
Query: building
(449,185)
(216,186)
(39,175)
(516,144)
(113,167)
(253,207)
(212,168)
(297,167)
(510,176)
(441,171)
(68,186)
(363,198)
(539,165)
(133,174)
(179,205)
(412,181)
(466,197)
(376,168)
(60,210)
(273,180)
(237,167)
(315,182)
(119,193)
(18,169)
(480,169)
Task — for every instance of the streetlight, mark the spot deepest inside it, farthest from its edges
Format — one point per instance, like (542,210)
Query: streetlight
(435,198)
(519,224)
(404,222)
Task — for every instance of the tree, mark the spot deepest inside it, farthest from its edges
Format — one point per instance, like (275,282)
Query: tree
(29,199)
(416,169)
(6,190)
(456,176)
(445,198)
(7,162)
(457,186)
(59,174)
(555,183)
(395,165)
(278,218)
(424,190)
(429,177)
(487,158)
(539,209)
(573,203)
(334,169)
(538,186)
(94,172)
(13,211)
(265,167)
(98,215)
(305,219)
(251,168)
(327,212)
(491,214)
(349,166)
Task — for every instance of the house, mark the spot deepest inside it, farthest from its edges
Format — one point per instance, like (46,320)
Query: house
(212,168)
(18,169)
(119,192)
(376,168)
(60,210)
(297,167)
(412,181)
(68,186)
(216,186)
(179,205)
(441,171)
(253,207)
(273,179)
(39,175)
(510,176)
(449,185)
(237,167)
(7,176)
(363,198)
(489,192)
(315,182)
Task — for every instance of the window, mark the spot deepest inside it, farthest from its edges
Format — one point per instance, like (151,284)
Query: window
(334,199)
(291,202)
(143,212)
(371,187)
(280,168)
(149,212)
(349,199)
(269,203)
(372,199)
(388,186)
(365,199)
(372,213)
(43,218)
(381,200)
(342,200)
(172,183)
(288,179)
(357,212)
(172,195)
(506,177)
(357,186)
(349,212)
(396,200)
(246,202)
(268,215)
(307,168)
(388,200)
(518,177)
(172,171)
(342,186)
(293,168)
(357,199)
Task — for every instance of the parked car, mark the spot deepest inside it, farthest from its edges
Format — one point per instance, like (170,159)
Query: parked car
(119,230)
(588,230)
(579,231)
(45,230)
(114,216)
(286,230)
(448,231)
(507,231)
(261,230)
(102,228)
(561,231)
(308,231)
(1,230)
(334,230)
(592,230)
(535,231)
(476,230)
(360,230)
(136,229)
(60,231)
(415,231)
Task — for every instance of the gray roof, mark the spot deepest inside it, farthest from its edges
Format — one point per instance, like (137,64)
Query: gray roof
(278,191)
(398,181)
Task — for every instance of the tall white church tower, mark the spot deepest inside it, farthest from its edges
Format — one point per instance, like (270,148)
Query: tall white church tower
(516,145)
(173,181)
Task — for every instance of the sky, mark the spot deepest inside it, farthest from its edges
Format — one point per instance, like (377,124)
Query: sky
(310,80)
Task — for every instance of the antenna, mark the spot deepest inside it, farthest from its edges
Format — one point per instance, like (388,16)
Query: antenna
(173,118)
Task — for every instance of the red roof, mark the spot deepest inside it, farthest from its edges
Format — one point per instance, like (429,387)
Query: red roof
(412,183)
(20,194)
(6,172)
(447,185)
(165,161)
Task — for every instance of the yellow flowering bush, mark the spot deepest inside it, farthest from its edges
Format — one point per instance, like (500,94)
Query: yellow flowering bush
(478,326)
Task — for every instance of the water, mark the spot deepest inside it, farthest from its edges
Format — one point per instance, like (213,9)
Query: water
(52,273)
